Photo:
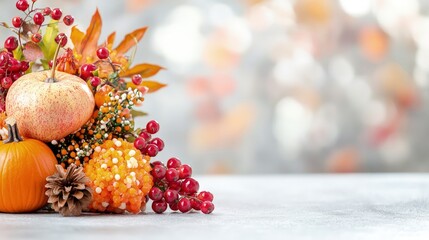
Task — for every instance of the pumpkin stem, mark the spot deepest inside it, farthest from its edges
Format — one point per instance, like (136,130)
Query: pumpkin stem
(54,65)
(13,134)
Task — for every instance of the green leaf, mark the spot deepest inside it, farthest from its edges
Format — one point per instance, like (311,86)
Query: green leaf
(17,54)
(113,76)
(48,44)
(131,138)
(30,69)
(137,131)
(45,64)
(136,113)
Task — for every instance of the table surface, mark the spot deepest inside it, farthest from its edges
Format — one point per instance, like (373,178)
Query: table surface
(362,206)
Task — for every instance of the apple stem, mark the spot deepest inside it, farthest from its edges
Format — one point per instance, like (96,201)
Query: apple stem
(54,65)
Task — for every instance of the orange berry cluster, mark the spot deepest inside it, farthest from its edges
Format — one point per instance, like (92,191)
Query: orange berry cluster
(120,178)
(112,120)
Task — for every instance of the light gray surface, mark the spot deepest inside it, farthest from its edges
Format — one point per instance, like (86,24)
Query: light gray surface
(264,207)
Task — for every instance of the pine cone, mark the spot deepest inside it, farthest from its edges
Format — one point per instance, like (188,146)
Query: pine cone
(68,191)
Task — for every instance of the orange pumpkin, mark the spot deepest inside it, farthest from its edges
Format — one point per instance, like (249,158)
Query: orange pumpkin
(24,167)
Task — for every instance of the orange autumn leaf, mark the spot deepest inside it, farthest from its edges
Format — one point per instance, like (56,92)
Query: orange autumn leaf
(86,45)
(152,86)
(89,43)
(111,39)
(76,37)
(130,40)
(145,70)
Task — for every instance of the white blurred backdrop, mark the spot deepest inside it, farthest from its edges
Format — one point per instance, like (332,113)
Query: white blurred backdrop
(276,86)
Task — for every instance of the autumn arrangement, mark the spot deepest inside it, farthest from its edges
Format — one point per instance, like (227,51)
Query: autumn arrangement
(67,111)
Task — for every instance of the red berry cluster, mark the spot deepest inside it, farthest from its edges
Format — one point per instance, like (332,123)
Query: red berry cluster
(10,70)
(174,187)
(35,16)
(146,144)
(87,70)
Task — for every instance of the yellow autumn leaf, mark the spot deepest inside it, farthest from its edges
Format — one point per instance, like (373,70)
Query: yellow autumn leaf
(76,36)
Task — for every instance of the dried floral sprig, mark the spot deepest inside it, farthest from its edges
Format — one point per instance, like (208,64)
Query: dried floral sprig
(112,120)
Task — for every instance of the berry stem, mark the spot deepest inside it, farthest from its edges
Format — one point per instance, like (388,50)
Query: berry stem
(112,65)
(120,67)
(23,22)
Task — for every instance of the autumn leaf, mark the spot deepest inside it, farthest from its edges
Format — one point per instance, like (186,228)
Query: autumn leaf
(90,40)
(146,70)
(111,39)
(76,36)
(153,86)
(32,51)
(130,40)
(136,113)
(3,24)
(29,28)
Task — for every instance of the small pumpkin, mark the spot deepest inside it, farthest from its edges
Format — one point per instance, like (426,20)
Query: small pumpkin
(101,94)
(24,166)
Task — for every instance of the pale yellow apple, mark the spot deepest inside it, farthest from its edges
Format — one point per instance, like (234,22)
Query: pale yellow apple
(49,110)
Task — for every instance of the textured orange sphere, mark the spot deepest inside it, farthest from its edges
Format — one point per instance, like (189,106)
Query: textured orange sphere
(24,166)
(49,110)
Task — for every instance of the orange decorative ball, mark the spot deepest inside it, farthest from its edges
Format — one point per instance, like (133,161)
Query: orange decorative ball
(24,167)
(120,178)
(100,95)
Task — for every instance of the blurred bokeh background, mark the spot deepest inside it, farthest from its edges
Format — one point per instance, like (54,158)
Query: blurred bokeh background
(279,86)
